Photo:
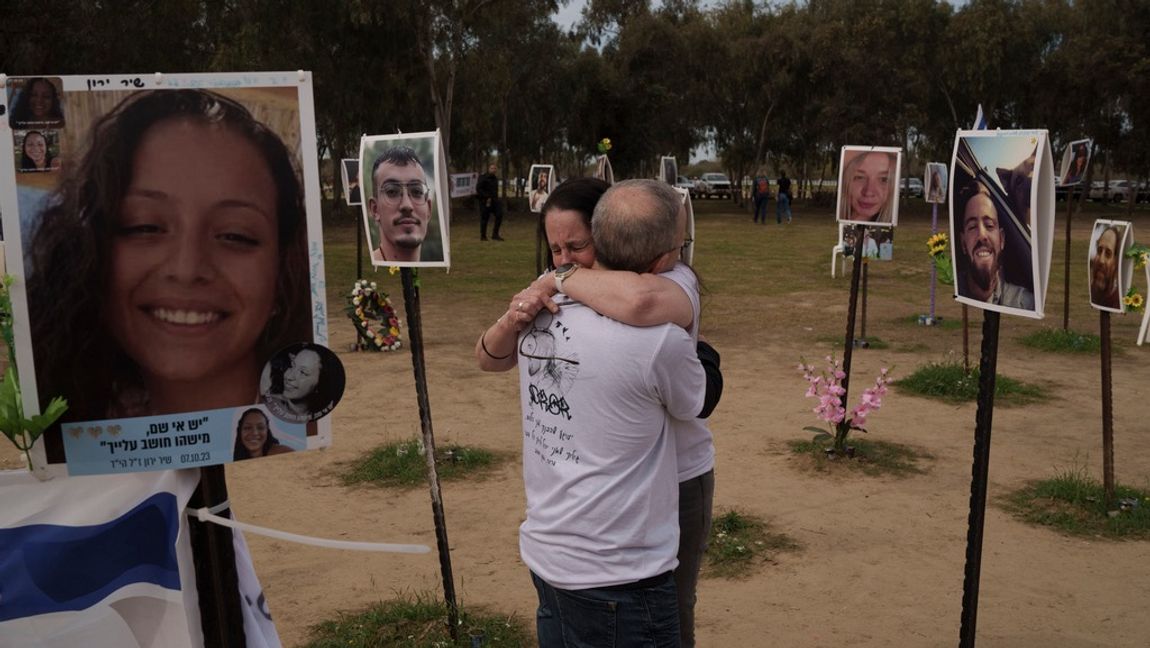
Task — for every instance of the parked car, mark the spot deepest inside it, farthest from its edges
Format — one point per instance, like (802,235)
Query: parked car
(713,184)
(1116,191)
(912,187)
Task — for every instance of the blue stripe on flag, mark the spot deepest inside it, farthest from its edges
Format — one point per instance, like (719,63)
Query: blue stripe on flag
(54,568)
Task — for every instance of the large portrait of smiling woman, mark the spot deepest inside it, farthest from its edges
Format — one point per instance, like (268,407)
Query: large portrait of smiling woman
(174,253)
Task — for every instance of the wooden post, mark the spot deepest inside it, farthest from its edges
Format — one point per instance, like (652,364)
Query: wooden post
(415,341)
(988,366)
(933,265)
(214,555)
(862,325)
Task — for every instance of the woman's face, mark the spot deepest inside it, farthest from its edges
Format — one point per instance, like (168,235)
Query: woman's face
(302,376)
(36,148)
(41,96)
(194,258)
(870,186)
(569,238)
(254,432)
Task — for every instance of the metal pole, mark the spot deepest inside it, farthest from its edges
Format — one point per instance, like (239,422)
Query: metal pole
(415,339)
(933,266)
(1107,411)
(1066,282)
(359,247)
(862,326)
(214,555)
(980,469)
(852,309)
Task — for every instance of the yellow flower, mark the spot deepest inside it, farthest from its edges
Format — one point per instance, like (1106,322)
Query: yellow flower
(1136,300)
(392,270)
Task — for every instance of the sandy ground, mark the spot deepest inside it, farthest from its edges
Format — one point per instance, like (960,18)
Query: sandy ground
(882,559)
(881,562)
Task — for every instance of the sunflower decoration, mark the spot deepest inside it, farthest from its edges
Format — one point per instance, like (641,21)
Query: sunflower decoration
(376,325)
(938,246)
(1134,300)
(604,145)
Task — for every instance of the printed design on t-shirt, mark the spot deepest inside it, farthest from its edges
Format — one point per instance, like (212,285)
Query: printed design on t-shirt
(551,369)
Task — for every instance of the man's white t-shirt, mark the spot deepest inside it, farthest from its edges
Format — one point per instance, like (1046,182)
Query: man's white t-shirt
(599,462)
(694,444)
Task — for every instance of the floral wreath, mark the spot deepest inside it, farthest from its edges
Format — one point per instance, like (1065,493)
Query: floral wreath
(376,326)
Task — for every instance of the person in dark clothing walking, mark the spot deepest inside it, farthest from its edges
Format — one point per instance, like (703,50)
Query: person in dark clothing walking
(760,194)
(783,206)
(488,191)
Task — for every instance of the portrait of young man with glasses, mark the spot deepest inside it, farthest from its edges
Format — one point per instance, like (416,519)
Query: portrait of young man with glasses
(401,204)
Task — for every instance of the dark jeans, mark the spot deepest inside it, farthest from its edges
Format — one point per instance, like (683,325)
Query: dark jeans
(695,499)
(761,208)
(609,617)
(783,207)
(485,213)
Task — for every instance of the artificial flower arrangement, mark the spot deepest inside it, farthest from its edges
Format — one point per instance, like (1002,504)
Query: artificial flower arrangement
(20,430)
(604,145)
(376,325)
(827,387)
(939,246)
(1141,255)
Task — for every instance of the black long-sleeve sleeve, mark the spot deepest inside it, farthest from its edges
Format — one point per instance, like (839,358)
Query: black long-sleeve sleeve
(710,359)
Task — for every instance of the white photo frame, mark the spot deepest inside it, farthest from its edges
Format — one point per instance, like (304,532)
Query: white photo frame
(406,234)
(349,170)
(110,428)
(1075,161)
(1005,180)
(870,195)
(935,182)
(1102,260)
(540,184)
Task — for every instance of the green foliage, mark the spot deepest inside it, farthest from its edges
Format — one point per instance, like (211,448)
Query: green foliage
(23,432)
(1062,341)
(738,540)
(419,621)
(949,382)
(1074,503)
(402,464)
(871,458)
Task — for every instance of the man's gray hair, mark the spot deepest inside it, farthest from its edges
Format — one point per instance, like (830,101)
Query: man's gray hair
(634,224)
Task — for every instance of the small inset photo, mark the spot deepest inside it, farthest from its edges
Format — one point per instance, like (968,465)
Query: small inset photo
(302,382)
(257,436)
(35,102)
(37,150)
(541,181)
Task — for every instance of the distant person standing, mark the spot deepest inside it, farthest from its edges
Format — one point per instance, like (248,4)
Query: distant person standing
(783,206)
(488,191)
(760,194)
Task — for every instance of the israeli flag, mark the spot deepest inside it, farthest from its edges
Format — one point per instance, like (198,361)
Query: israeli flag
(105,562)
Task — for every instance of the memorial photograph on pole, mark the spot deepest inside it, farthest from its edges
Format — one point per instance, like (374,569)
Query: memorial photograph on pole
(406,212)
(1002,220)
(868,185)
(540,184)
(349,169)
(1075,160)
(935,182)
(155,275)
(1110,271)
